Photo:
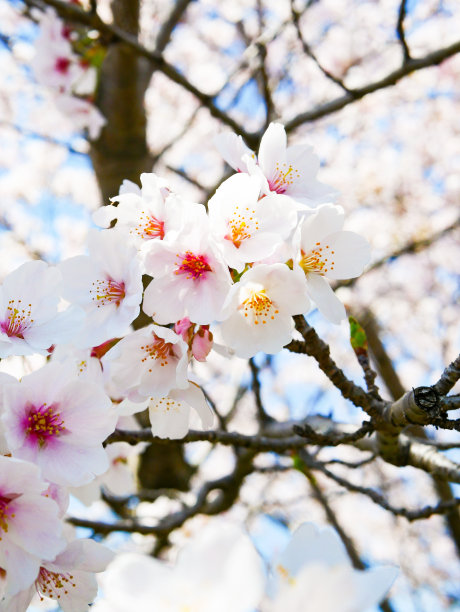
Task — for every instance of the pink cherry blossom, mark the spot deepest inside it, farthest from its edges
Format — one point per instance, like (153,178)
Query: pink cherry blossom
(107,284)
(59,423)
(30,528)
(190,278)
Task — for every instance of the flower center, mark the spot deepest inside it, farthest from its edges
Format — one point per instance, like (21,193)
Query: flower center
(159,350)
(62,65)
(240,226)
(259,307)
(108,291)
(5,512)
(52,584)
(193,266)
(18,319)
(43,423)
(283,177)
(150,227)
(318,260)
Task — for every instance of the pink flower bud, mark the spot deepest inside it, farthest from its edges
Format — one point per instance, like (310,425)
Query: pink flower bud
(184,328)
(202,343)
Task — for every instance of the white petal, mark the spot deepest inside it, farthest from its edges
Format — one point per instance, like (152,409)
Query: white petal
(328,303)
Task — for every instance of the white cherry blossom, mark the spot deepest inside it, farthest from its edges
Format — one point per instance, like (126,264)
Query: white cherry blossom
(148,362)
(233,150)
(314,574)
(58,423)
(30,527)
(170,416)
(29,318)
(107,284)
(68,580)
(289,171)
(146,214)
(218,570)
(325,250)
(259,309)
(247,229)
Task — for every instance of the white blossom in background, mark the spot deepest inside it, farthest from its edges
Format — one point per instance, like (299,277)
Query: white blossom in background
(325,250)
(170,416)
(83,115)
(24,540)
(68,580)
(259,309)
(314,574)
(148,362)
(59,423)
(29,318)
(107,284)
(245,228)
(218,570)
(190,278)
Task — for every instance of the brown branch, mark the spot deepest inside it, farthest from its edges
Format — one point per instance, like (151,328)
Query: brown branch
(308,51)
(315,347)
(412,65)
(166,30)
(448,378)
(377,498)
(306,435)
(261,414)
(400,31)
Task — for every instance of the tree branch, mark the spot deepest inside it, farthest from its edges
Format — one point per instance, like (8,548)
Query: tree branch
(412,65)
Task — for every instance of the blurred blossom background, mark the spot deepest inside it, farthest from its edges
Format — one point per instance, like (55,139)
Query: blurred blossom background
(373,86)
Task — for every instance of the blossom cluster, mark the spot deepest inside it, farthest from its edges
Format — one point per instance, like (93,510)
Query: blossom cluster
(239,269)
(70,75)
(221,570)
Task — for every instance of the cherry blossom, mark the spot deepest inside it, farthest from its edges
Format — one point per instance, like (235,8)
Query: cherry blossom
(170,416)
(149,362)
(287,171)
(29,317)
(233,150)
(107,284)
(83,114)
(68,579)
(325,250)
(315,568)
(190,278)
(246,228)
(119,479)
(259,309)
(58,423)
(199,338)
(218,570)
(30,528)
(146,214)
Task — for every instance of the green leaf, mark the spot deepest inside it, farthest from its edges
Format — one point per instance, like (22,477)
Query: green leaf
(358,337)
